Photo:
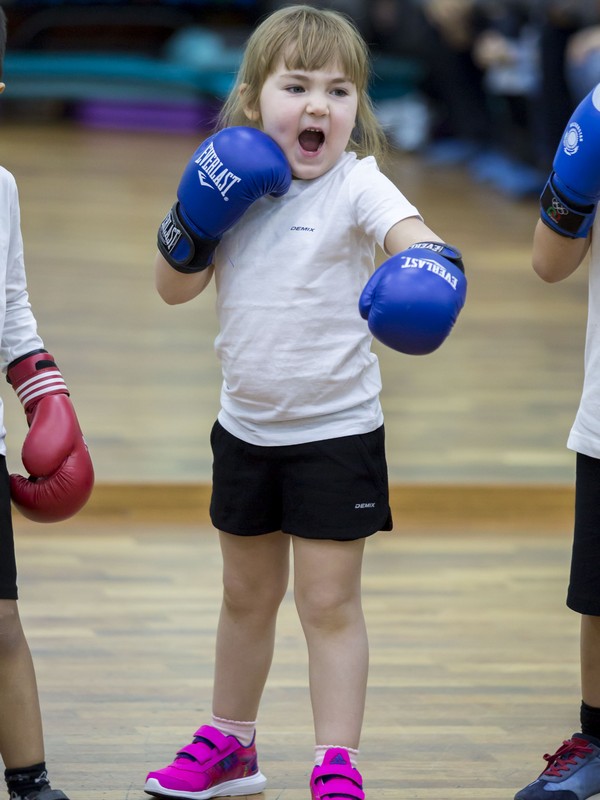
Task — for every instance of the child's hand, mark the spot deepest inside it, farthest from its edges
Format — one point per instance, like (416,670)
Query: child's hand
(61,475)
(226,174)
(413,300)
(569,201)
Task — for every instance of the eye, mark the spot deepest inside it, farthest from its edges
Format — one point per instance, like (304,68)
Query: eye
(294,89)
(341,92)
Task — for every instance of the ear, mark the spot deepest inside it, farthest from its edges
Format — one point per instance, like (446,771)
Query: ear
(251,113)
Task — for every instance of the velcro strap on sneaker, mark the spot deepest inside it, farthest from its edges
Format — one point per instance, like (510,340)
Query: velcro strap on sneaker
(338,782)
(209,745)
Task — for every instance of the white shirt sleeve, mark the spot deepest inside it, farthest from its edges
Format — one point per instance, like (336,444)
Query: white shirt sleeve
(378,202)
(19,328)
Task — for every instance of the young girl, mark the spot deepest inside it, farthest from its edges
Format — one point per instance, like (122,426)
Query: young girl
(278,206)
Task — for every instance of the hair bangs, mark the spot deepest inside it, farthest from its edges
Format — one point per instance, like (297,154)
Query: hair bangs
(322,42)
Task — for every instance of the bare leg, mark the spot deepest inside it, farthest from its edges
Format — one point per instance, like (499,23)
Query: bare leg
(21,737)
(327,578)
(590,660)
(255,580)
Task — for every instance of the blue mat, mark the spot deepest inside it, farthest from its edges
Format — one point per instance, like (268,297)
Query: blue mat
(73,76)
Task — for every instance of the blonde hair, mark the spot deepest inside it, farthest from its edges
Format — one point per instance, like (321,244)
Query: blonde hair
(307,38)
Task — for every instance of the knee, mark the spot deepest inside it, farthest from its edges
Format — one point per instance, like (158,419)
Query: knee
(11,632)
(327,608)
(244,597)
(591,624)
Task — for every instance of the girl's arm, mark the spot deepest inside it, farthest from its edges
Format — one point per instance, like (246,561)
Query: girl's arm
(178,287)
(406,232)
(555,257)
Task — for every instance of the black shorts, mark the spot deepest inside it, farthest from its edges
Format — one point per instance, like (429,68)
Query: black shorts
(331,489)
(8,565)
(584,585)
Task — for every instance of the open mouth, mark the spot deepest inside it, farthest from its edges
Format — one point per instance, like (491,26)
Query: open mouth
(311,140)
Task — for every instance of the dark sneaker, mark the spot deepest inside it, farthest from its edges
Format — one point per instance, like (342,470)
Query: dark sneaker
(40,794)
(573,772)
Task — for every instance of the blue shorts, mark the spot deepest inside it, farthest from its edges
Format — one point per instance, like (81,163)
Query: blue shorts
(331,489)
(584,585)
(8,565)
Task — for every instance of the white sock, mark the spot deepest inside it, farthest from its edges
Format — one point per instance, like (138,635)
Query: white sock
(321,749)
(243,731)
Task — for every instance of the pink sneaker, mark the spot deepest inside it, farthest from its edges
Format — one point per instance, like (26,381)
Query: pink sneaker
(336,778)
(213,765)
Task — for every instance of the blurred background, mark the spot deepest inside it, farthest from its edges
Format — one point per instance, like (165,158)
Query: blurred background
(106,101)
(104,104)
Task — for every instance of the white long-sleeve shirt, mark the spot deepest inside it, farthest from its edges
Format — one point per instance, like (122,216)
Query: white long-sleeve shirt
(17,324)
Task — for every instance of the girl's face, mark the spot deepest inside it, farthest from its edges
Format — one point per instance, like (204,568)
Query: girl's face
(310,114)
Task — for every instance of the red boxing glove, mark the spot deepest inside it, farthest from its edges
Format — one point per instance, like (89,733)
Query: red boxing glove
(54,451)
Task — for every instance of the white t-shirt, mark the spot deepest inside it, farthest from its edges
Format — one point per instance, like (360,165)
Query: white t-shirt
(295,353)
(585,433)
(17,324)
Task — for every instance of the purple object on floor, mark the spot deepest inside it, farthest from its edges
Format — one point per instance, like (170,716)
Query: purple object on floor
(167,117)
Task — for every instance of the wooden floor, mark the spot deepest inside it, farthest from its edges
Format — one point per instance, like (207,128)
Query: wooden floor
(493,405)
(473,658)
(474,655)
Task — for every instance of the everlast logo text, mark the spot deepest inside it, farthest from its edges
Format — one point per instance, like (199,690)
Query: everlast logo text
(410,262)
(169,232)
(212,166)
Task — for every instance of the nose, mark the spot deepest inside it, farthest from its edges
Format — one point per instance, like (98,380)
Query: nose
(317,105)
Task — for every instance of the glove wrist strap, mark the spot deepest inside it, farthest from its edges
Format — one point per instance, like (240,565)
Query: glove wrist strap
(445,250)
(181,247)
(564,218)
(34,376)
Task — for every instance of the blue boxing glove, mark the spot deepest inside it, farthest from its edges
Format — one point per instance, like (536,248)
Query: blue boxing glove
(569,200)
(413,299)
(226,174)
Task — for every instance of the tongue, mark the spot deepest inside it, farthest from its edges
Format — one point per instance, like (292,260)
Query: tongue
(310,140)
